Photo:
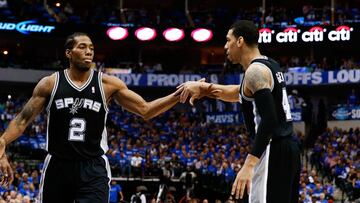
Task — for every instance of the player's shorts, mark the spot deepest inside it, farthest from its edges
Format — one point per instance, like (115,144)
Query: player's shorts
(276,177)
(79,181)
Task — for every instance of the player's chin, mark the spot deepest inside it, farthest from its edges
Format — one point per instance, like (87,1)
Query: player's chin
(229,58)
(84,67)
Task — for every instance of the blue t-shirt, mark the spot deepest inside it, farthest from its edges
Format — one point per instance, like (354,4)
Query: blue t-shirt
(212,170)
(357,184)
(114,192)
(229,175)
(123,161)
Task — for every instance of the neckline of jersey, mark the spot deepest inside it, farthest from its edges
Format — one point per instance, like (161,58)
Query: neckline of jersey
(74,85)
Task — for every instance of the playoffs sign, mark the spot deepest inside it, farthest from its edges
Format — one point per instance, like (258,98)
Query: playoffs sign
(314,34)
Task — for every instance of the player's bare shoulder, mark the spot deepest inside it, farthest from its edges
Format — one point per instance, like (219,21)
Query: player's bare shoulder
(112,84)
(110,80)
(46,85)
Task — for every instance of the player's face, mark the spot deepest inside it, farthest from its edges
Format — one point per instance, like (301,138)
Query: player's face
(82,54)
(231,47)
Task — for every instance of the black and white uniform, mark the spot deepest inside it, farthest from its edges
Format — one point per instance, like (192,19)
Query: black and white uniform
(76,169)
(276,177)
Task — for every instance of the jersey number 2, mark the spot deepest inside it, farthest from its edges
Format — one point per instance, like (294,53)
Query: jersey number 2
(286,105)
(77,129)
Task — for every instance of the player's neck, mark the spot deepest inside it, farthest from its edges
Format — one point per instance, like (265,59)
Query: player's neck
(77,75)
(250,55)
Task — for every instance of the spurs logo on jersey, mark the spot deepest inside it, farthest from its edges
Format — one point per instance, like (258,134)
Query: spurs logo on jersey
(77,103)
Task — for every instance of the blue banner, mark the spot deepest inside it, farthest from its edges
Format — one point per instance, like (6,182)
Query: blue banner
(323,78)
(224,118)
(291,78)
(296,115)
(345,112)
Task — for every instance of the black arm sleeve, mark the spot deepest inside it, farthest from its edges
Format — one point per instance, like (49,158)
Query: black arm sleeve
(265,105)
(247,109)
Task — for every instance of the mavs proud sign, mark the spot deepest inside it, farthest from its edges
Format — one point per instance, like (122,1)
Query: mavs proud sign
(26,27)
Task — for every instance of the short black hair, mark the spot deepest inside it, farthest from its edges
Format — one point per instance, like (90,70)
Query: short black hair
(70,40)
(246,29)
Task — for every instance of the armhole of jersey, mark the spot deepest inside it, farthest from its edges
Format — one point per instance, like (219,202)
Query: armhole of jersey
(269,70)
(102,92)
(53,92)
(243,95)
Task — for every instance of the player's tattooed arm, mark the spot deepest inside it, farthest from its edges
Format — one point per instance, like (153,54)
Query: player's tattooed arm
(32,108)
(257,78)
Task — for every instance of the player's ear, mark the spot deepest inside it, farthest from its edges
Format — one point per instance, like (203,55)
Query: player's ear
(239,41)
(68,53)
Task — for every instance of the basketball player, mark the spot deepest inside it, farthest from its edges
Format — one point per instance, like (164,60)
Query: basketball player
(271,171)
(76,100)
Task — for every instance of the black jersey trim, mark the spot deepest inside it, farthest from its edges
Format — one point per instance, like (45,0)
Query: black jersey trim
(75,86)
(102,92)
(53,92)
(42,180)
(108,170)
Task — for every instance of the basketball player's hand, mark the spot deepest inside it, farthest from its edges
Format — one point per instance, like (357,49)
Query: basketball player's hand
(242,182)
(195,89)
(191,88)
(7,175)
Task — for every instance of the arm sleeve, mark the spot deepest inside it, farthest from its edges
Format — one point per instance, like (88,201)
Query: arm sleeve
(248,115)
(265,105)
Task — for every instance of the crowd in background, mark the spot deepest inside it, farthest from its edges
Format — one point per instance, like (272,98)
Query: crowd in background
(336,154)
(177,142)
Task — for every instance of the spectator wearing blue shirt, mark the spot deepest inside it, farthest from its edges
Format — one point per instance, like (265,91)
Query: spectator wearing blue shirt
(25,180)
(329,189)
(318,190)
(228,172)
(352,98)
(177,149)
(116,194)
(129,151)
(322,198)
(124,164)
(212,168)
(28,189)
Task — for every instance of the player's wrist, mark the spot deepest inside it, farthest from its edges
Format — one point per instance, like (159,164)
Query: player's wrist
(251,160)
(205,87)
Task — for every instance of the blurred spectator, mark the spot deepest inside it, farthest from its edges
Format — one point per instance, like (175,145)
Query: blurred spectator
(139,196)
(3,4)
(295,101)
(269,19)
(136,164)
(352,98)
(116,194)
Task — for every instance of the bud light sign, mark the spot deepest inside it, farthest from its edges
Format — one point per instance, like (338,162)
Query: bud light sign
(26,27)
(314,34)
